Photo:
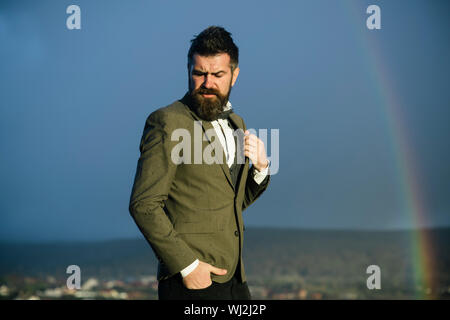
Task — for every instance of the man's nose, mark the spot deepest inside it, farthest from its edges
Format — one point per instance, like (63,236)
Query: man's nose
(208,82)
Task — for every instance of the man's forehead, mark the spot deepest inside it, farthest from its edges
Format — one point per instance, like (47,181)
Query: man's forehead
(211,63)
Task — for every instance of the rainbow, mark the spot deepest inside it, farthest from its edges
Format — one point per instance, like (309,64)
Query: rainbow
(409,177)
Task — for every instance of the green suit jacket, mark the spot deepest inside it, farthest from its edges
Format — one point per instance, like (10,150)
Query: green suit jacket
(190,211)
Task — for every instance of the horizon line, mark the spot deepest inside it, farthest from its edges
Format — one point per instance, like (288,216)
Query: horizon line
(274,228)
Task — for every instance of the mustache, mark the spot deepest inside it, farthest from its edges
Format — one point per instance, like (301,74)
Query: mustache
(207,91)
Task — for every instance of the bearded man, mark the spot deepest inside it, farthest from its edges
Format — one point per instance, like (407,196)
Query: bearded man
(189,212)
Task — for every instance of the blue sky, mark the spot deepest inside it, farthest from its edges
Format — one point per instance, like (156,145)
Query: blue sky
(73,105)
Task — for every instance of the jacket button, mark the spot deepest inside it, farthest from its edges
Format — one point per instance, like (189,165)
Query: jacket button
(236,233)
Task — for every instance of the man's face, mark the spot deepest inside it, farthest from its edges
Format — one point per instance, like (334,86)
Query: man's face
(210,82)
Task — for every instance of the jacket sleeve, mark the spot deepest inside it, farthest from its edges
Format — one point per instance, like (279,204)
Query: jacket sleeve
(154,175)
(253,190)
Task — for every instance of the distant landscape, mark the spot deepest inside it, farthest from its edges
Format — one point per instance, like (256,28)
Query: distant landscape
(280,264)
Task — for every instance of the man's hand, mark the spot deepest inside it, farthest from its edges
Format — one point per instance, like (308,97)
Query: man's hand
(254,149)
(200,277)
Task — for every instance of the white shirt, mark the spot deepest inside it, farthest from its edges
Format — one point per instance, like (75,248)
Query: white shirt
(229,147)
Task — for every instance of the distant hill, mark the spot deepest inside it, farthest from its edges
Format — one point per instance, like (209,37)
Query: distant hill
(328,261)
(103,259)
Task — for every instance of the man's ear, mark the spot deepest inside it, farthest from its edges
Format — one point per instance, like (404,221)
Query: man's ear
(235,75)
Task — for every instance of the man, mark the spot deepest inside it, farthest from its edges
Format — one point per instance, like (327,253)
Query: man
(190,211)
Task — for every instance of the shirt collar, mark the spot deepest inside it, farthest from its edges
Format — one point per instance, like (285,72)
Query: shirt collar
(228,106)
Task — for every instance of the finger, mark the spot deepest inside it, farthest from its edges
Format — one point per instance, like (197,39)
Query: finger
(218,271)
(250,136)
(250,155)
(251,143)
(250,149)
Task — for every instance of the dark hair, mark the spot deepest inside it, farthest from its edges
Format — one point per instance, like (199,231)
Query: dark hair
(211,41)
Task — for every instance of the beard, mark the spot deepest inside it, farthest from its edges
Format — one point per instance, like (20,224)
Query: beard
(208,108)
